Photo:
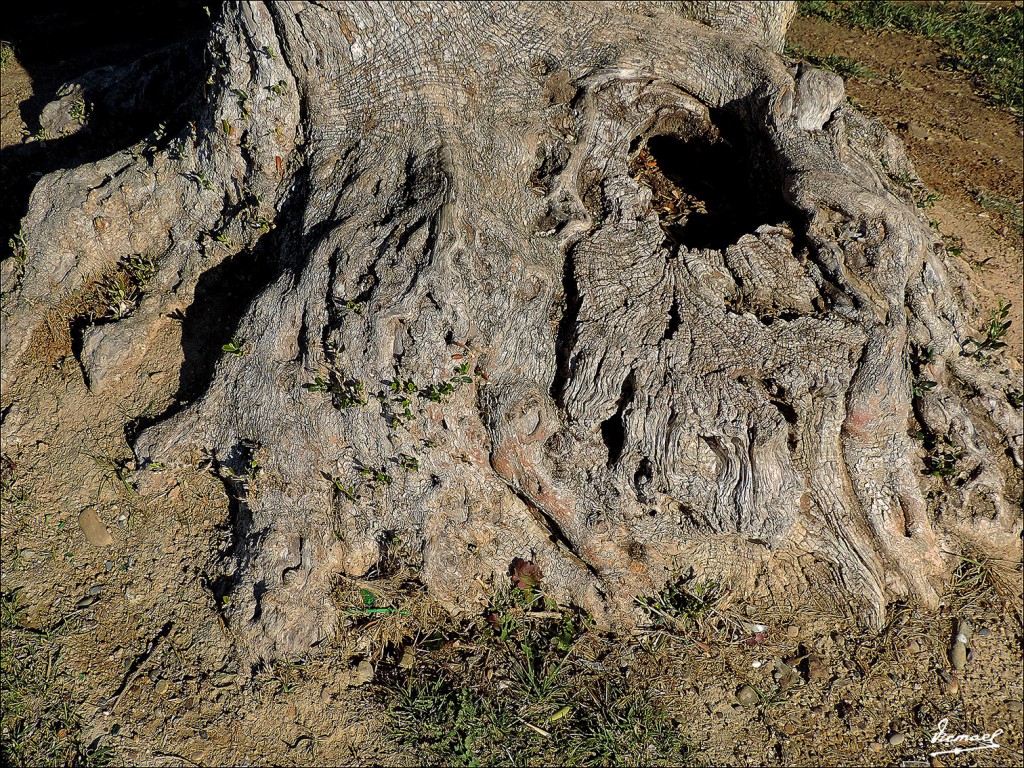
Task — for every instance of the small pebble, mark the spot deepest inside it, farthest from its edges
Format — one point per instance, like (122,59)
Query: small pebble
(363,673)
(85,602)
(958,652)
(952,688)
(913,646)
(95,590)
(874,746)
(896,739)
(747,696)
(984,632)
(815,668)
(408,658)
(161,687)
(94,529)
(1015,705)
(818,710)
(792,631)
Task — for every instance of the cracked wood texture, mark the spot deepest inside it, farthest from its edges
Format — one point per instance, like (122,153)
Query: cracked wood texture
(609,287)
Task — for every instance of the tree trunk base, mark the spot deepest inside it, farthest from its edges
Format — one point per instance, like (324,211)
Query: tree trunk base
(601,289)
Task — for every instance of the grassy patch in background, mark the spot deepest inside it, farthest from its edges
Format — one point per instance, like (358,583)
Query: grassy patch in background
(982,41)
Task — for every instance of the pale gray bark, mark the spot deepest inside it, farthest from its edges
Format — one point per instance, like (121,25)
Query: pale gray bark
(455,184)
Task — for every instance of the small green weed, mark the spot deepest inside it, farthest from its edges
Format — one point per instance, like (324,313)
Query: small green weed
(954,245)
(199,177)
(398,404)
(921,386)
(377,477)
(243,101)
(77,110)
(994,332)
(116,295)
(18,251)
(344,392)
(1015,397)
(920,195)
(943,457)
(156,137)
(235,347)
(349,492)
(683,603)
(439,393)
(118,471)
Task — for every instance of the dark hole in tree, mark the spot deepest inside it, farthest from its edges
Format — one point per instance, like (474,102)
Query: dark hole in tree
(259,589)
(614,435)
(642,479)
(710,191)
(613,430)
(674,321)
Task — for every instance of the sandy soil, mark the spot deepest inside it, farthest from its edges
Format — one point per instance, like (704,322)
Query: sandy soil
(146,659)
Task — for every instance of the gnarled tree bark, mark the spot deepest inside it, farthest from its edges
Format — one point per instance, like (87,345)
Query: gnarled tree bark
(609,287)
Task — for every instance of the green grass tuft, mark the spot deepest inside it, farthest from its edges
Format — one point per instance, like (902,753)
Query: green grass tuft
(535,700)
(6,56)
(39,724)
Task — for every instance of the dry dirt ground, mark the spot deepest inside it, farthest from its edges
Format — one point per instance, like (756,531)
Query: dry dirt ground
(122,657)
